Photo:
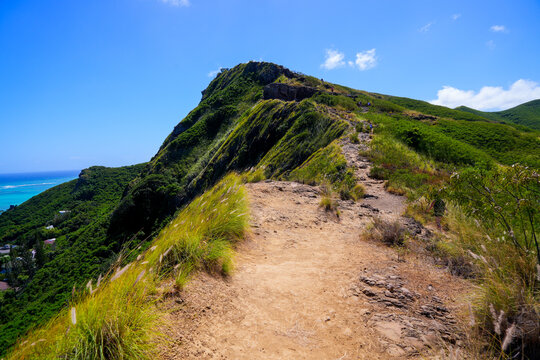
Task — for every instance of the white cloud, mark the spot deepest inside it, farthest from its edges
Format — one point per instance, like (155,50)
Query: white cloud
(213,73)
(176,3)
(456,16)
(426,27)
(333,59)
(489,97)
(498,28)
(366,60)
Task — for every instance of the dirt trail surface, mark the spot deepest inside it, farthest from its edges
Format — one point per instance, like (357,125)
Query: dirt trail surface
(306,286)
(377,199)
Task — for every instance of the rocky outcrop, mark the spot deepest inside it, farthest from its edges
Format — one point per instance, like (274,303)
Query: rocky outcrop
(287,92)
(419,116)
(267,72)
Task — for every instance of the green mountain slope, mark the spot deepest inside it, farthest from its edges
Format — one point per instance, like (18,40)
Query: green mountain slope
(436,110)
(527,114)
(257,118)
(233,128)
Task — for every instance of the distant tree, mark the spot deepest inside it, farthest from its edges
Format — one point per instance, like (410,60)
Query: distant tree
(40,258)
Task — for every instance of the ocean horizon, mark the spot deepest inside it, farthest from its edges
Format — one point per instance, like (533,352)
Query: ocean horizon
(16,188)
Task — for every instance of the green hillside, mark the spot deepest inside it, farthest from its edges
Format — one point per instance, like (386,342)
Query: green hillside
(232,128)
(436,110)
(81,248)
(258,119)
(527,114)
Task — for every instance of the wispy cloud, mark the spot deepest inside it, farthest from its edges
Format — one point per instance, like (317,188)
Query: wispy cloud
(456,16)
(426,27)
(498,28)
(490,44)
(333,59)
(489,97)
(177,3)
(366,60)
(213,73)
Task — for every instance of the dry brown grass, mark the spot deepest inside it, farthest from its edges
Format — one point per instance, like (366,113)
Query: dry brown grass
(391,233)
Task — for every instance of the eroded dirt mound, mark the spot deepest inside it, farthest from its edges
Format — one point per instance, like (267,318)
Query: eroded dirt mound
(307,287)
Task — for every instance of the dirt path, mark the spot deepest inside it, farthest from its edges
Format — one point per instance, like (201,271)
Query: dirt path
(381,202)
(307,286)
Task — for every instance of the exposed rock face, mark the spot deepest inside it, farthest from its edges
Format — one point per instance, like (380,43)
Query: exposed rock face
(420,116)
(287,92)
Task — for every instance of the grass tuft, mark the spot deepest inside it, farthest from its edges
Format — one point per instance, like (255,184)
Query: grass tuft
(327,203)
(391,233)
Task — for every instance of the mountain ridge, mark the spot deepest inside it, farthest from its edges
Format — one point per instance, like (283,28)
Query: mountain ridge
(526,114)
(237,128)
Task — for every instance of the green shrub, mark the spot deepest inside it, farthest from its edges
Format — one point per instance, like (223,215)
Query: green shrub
(407,172)
(338,101)
(495,226)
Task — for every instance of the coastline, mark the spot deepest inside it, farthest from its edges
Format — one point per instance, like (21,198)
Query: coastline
(17,188)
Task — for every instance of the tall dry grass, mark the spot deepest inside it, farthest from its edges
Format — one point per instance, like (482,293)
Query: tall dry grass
(506,299)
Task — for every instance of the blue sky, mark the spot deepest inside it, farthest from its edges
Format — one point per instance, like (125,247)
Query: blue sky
(103,82)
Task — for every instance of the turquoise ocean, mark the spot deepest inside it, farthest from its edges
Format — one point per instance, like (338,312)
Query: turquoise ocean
(17,188)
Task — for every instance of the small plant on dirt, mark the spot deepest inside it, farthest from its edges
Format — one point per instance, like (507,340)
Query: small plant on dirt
(356,193)
(401,251)
(327,203)
(327,200)
(389,232)
(354,138)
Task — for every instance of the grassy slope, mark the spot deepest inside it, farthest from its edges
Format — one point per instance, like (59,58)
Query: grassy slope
(328,166)
(481,239)
(453,131)
(463,142)
(436,110)
(115,318)
(527,114)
